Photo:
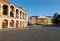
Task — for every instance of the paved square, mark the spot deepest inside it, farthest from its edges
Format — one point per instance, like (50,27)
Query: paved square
(33,34)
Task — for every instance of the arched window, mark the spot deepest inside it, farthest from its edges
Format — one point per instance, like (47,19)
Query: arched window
(12,8)
(20,14)
(17,13)
(23,15)
(5,23)
(12,11)
(5,10)
(11,14)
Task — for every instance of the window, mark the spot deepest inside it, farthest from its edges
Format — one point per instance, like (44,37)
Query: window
(5,10)
(17,13)
(12,11)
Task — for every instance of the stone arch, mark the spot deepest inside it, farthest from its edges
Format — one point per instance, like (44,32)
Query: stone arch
(11,14)
(5,23)
(20,14)
(12,8)
(23,15)
(23,23)
(17,13)
(20,23)
(5,9)
(17,24)
(12,23)
(12,11)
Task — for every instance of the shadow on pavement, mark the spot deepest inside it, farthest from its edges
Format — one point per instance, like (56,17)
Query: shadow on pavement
(53,25)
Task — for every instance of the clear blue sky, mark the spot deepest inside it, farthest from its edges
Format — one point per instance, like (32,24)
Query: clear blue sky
(39,7)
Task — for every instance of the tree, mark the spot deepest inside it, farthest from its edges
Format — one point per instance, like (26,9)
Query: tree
(54,17)
(57,20)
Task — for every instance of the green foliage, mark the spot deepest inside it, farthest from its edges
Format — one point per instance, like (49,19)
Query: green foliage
(57,19)
(54,18)
(55,15)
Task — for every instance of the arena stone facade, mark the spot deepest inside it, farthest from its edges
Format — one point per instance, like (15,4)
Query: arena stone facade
(12,16)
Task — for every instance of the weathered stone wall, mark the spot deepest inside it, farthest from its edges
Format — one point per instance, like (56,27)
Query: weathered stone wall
(9,18)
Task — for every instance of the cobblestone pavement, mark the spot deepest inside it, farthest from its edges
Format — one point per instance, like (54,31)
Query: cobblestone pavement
(36,33)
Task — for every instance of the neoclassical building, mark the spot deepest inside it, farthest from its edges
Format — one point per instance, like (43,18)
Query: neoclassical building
(41,20)
(45,20)
(12,16)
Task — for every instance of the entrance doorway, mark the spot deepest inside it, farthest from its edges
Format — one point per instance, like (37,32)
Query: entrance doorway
(5,23)
(12,23)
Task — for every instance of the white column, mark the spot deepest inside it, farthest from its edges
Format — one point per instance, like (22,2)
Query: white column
(22,15)
(19,14)
(14,13)
(1,9)
(20,24)
(9,11)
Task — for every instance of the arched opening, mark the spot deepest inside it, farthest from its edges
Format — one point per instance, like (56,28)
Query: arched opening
(23,15)
(12,23)
(17,13)
(17,24)
(5,10)
(12,11)
(20,23)
(11,14)
(20,14)
(23,23)
(5,23)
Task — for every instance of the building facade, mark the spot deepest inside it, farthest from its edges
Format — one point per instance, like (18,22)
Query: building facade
(40,20)
(33,20)
(12,16)
(45,20)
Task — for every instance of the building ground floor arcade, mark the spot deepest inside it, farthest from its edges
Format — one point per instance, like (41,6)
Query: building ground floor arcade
(8,22)
(12,16)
